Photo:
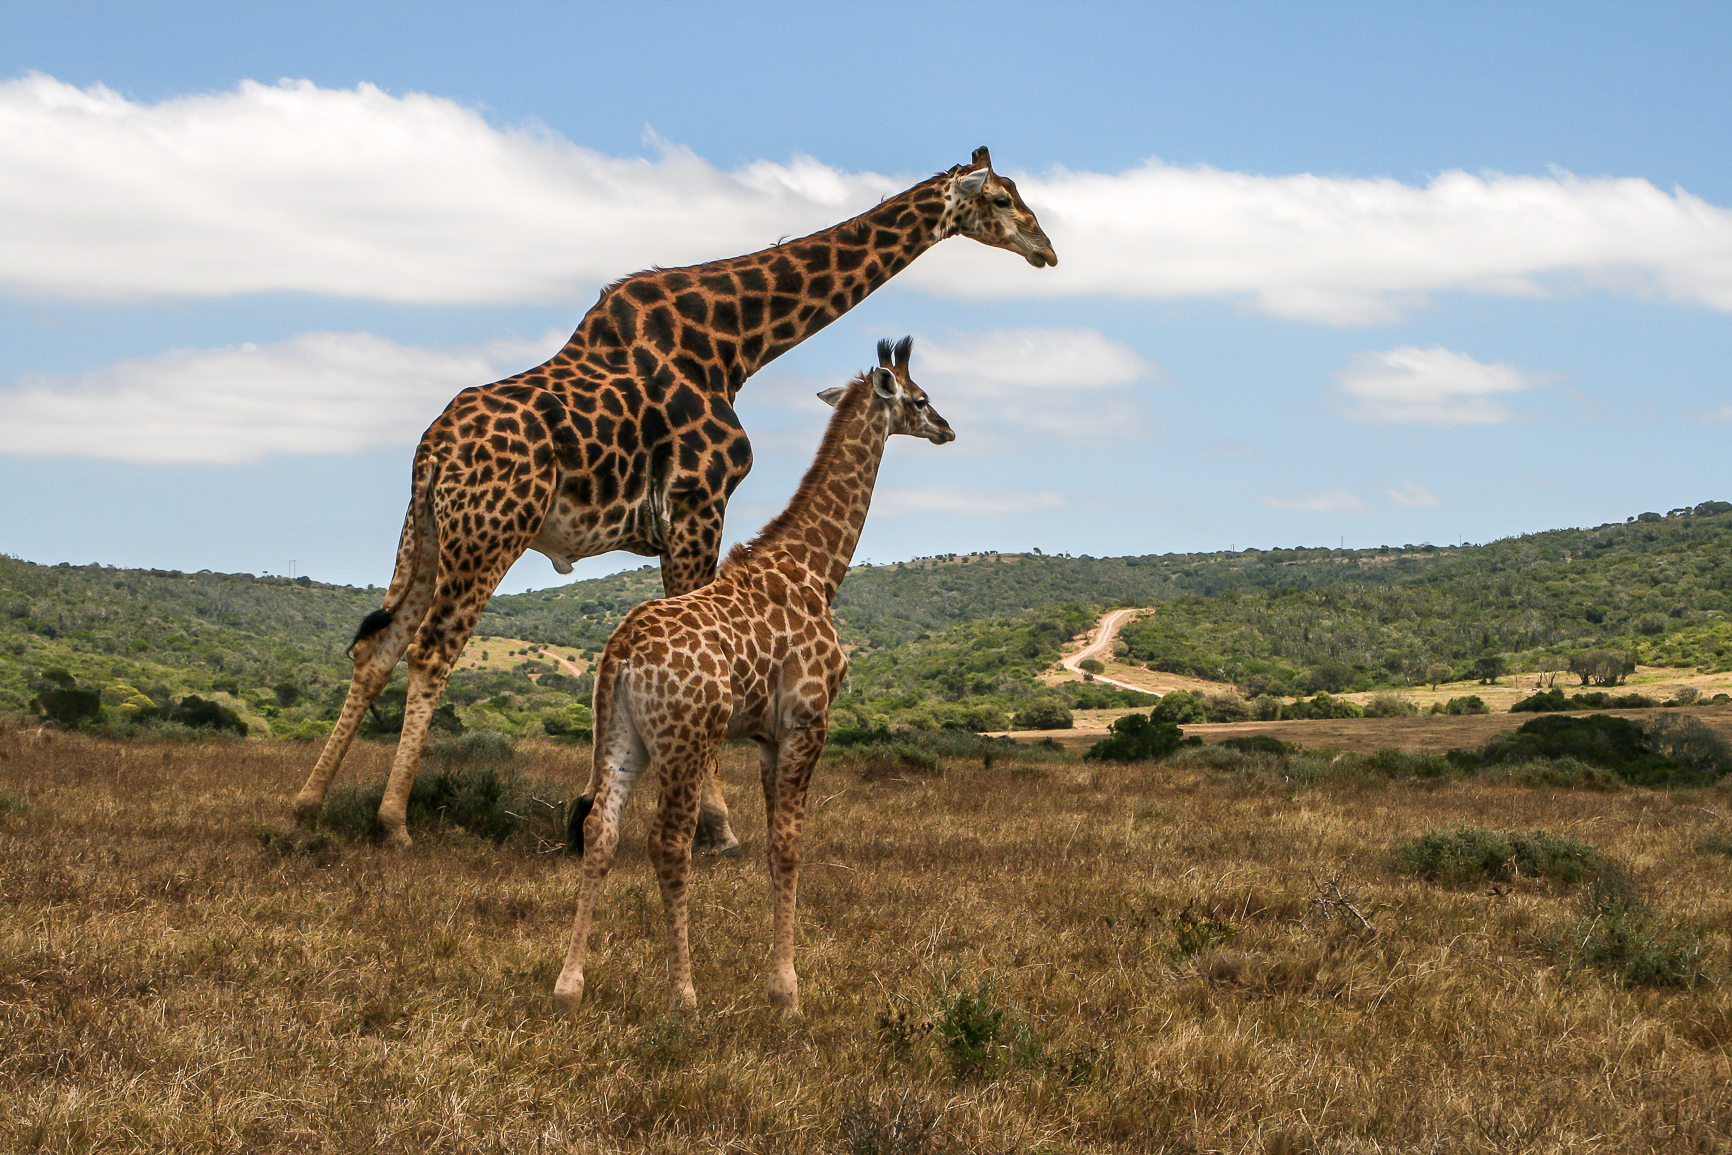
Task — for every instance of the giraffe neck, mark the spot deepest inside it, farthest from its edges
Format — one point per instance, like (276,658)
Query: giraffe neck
(818,531)
(734,316)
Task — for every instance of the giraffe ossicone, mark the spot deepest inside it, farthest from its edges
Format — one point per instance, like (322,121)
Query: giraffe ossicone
(626,440)
(752,655)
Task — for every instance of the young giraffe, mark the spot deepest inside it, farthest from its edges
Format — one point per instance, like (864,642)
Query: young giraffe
(626,439)
(754,655)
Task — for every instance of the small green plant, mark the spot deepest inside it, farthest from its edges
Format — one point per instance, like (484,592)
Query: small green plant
(10,804)
(1196,930)
(979,1035)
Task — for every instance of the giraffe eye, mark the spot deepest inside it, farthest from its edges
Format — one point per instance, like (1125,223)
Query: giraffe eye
(1001,202)
(920,403)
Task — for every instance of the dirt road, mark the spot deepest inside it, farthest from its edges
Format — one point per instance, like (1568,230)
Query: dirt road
(1101,649)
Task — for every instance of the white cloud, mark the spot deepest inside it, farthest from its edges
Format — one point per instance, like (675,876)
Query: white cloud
(313,393)
(1000,387)
(1351,251)
(1334,501)
(1412,494)
(358,193)
(1436,386)
(962,500)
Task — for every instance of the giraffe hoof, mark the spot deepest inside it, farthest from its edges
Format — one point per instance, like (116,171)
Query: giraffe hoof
(731,849)
(306,813)
(397,838)
(567,996)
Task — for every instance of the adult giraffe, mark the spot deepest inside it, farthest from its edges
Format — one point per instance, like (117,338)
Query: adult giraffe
(626,439)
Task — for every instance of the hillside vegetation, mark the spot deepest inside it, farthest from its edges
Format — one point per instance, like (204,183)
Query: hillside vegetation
(951,641)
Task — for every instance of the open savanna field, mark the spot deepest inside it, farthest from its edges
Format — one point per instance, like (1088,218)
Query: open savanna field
(1043,956)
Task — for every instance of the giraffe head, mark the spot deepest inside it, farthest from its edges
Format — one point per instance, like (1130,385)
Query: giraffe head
(894,390)
(985,206)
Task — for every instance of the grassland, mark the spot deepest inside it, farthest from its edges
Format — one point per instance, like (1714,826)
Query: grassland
(1041,957)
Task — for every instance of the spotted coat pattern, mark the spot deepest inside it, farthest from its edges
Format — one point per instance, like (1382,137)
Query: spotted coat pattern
(626,440)
(753,655)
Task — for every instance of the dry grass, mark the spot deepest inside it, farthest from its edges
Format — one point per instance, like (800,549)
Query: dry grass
(175,978)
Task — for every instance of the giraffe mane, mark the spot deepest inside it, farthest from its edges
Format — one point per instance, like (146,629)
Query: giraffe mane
(854,397)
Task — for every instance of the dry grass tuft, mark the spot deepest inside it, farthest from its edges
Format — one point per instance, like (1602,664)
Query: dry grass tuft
(1089,958)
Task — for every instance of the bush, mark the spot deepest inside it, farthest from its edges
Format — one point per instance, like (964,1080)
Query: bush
(1330,678)
(1178,707)
(1545,701)
(1471,704)
(468,789)
(200,714)
(1043,714)
(1139,739)
(1092,666)
(1671,750)
(1226,708)
(1265,708)
(1471,854)
(1390,705)
(978,1034)
(71,707)
(1322,706)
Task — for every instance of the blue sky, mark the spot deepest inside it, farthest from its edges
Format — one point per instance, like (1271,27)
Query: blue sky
(1329,273)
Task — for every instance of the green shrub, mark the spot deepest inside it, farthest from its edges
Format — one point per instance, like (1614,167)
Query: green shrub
(979,1035)
(1197,930)
(1136,738)
(467,789)
(1470,854)
(1092,666)
(1616,933)
(1671,750)
(1322,706)
(1043,714)
(1390,705)
(1545,701)
(1226,708)
(1178,707)
(1471,704)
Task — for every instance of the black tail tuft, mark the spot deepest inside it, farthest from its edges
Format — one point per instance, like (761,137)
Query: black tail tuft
(370,625)
(576,812)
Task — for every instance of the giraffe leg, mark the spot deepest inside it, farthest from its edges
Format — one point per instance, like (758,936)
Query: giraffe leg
(455,607)
(601,838)
(375,658)
(787,770)
(688,565)
(670,852)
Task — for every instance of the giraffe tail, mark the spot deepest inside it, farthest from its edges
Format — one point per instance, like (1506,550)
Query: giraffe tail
(416,549)
(606,675)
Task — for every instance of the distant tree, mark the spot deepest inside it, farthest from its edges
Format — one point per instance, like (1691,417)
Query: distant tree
(1092,666)
(59,698)
(1602,667)
(1438,672)
(1488,668)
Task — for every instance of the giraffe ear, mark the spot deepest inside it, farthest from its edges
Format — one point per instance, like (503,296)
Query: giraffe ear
(832,397)
(970,184)
(884,383)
